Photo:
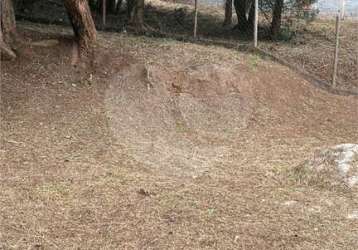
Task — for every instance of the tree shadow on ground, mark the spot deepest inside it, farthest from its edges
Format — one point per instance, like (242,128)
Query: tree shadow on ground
(162,19)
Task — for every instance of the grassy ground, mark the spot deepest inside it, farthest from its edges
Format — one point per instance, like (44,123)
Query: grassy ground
(68,181)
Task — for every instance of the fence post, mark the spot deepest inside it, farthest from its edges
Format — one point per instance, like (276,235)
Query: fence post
(336,51)
(343,9)
(256,22)
(104,9)
(196,18)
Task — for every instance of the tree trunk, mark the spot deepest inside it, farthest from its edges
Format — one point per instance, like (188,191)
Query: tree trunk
(276,19)
(130,6)
(97,5)
(136,13)
(7,29)
(251,14)
(118,7)
(83,25)
(8,20)
(6,51)
(242,7)
(228,13)
(112,6)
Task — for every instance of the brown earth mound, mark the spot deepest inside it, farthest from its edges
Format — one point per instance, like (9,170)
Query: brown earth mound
(185,120)
(178,119)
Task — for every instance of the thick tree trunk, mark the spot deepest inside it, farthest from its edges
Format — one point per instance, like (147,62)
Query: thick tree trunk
(136,13)
(7,28)
(228,13)
(130,6)
(276,19)
(251,13)
(242,20)
(83,25)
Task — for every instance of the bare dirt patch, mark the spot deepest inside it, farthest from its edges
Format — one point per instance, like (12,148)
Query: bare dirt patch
(181,120)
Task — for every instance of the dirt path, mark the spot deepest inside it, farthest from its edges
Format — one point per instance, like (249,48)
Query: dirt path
(171,145)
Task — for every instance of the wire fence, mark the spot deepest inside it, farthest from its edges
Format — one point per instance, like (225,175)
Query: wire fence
(322,40)
(306,37)
(317,37)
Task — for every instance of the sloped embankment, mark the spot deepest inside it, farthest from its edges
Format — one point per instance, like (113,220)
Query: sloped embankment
(185,120)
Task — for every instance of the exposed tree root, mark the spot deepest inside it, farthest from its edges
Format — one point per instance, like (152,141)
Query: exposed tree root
(6,52)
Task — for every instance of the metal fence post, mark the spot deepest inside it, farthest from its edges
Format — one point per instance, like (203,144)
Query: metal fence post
(196,18)
(336,51)
(343,9)
(256,22)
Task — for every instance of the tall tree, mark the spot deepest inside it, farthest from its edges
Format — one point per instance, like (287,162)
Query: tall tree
(228,13)
(113,6)
(244,14)
(80,17)
(240,8)
(276,19)
(136,13)
(83,25)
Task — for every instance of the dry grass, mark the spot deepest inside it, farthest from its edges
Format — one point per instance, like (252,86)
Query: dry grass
(67,181)
(311,47)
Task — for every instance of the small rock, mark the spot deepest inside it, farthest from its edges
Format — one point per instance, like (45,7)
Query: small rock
(143,192)
(334,165)
(353,215)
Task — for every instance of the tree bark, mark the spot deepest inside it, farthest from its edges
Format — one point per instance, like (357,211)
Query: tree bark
(136,13)
(228,13)
(251,13)
(83,25)
(7,29)
(242,20)
(276,19)
(8,20)
(111,6)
